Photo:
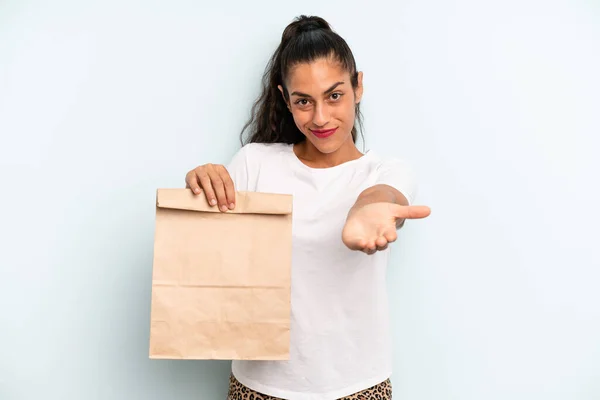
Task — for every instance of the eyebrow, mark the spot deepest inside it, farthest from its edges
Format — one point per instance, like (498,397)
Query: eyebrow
(331,89)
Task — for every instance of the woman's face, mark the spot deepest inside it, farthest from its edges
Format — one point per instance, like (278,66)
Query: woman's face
(322,101)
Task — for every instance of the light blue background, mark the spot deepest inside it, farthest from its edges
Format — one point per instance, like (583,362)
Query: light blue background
(494,103)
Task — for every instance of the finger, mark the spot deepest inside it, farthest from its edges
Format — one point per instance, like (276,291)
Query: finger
(390,236)
(191,181)
(207,186)
(219,188)
(411,212)
(356,245)
(363,245)
(371,247)
(381,243)
(229,187)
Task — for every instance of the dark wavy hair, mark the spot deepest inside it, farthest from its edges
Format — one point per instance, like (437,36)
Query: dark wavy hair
(304,40)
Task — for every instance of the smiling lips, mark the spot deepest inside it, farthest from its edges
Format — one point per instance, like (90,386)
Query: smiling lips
(323,133)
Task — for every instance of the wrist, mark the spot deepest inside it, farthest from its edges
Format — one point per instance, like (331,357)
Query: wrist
(375,195)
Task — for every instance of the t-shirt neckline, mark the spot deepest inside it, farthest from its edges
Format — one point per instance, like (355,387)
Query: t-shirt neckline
(298,163)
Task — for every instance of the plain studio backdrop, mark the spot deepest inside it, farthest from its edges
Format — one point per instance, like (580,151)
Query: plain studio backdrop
(494,103)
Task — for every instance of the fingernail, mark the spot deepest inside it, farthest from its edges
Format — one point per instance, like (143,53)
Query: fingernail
(213,202)
(223,207)
(231,206)
(196,190)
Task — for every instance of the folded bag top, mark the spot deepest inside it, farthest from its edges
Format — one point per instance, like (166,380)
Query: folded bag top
(245,202)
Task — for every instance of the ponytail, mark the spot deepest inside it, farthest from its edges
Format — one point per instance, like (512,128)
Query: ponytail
(304,40)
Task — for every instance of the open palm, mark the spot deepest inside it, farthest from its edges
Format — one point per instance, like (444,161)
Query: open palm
(373,226)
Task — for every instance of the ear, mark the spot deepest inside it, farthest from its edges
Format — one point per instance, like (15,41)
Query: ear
(359,88)
(283,96)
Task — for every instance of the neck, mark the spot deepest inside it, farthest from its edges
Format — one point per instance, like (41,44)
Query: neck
(311,156)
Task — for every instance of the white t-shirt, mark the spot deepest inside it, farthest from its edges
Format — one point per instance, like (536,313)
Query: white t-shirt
(340,332)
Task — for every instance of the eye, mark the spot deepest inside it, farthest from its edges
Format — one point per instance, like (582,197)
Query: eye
(301,102)
(336,96)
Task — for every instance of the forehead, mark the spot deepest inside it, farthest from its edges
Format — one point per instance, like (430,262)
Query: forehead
(316,76)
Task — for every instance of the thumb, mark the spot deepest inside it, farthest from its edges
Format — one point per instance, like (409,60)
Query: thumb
(411,212)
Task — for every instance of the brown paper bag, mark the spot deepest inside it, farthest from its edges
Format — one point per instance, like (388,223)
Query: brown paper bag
(221,281)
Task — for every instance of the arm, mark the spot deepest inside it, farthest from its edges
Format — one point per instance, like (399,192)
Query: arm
(381,194)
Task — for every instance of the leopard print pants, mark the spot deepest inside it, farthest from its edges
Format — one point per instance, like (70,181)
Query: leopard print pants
(238,391)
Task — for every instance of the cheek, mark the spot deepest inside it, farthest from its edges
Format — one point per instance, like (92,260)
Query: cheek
(301,119)
(348,113)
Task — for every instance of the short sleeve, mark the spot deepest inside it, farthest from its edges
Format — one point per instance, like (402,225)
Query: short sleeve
(238,169)
(399,175)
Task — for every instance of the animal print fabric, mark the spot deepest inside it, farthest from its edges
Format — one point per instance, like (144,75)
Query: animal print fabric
(381,391)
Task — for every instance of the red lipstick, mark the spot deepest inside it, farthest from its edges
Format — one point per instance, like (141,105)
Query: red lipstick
(323,133)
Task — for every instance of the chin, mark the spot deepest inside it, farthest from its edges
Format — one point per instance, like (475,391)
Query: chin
(326,146)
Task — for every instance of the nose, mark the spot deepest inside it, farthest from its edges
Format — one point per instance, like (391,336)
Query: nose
(321,115)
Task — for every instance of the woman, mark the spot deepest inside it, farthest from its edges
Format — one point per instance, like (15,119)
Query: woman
(347,209)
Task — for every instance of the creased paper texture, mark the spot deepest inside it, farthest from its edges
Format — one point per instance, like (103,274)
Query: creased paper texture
(221,281)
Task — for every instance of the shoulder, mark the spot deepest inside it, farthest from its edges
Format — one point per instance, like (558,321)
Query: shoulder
(395,171)
(264,149)
(384,163)
(254,156)
(257,154)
